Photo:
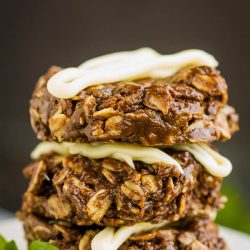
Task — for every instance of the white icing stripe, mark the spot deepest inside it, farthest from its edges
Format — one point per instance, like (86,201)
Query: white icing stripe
(109,239)
(111,60)
(214,163)
(120,151)
(121,66)
(46,148)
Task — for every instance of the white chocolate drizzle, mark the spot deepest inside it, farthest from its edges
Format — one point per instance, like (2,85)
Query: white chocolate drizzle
(111,239)
(211,160)
(120,151)
(214,163)
(126,65)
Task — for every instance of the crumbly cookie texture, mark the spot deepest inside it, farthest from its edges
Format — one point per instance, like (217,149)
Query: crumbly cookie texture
(109,192)
(199,233)
(189,106)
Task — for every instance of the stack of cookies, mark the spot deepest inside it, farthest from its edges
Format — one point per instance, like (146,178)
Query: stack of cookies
(126,160)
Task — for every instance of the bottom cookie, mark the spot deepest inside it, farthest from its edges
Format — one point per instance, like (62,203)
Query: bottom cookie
(199,233)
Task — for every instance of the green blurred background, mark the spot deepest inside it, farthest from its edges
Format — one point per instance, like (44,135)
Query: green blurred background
(236,213)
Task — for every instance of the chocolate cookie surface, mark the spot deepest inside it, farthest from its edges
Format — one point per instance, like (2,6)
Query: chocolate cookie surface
(188,107)
(199,233)
(109,192)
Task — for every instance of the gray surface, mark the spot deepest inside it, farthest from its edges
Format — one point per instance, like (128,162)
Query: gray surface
(4,214)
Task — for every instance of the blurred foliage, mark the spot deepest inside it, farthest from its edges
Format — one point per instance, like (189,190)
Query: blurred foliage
(236,213)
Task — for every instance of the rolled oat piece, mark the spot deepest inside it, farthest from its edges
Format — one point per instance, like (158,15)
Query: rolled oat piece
(160,184)
(187,107)
(198,233)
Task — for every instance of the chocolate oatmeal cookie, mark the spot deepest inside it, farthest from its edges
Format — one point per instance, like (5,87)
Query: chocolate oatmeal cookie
(199,233)
(109,192)
(188,107)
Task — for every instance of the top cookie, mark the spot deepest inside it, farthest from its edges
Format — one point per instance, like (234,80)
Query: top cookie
(190,106)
